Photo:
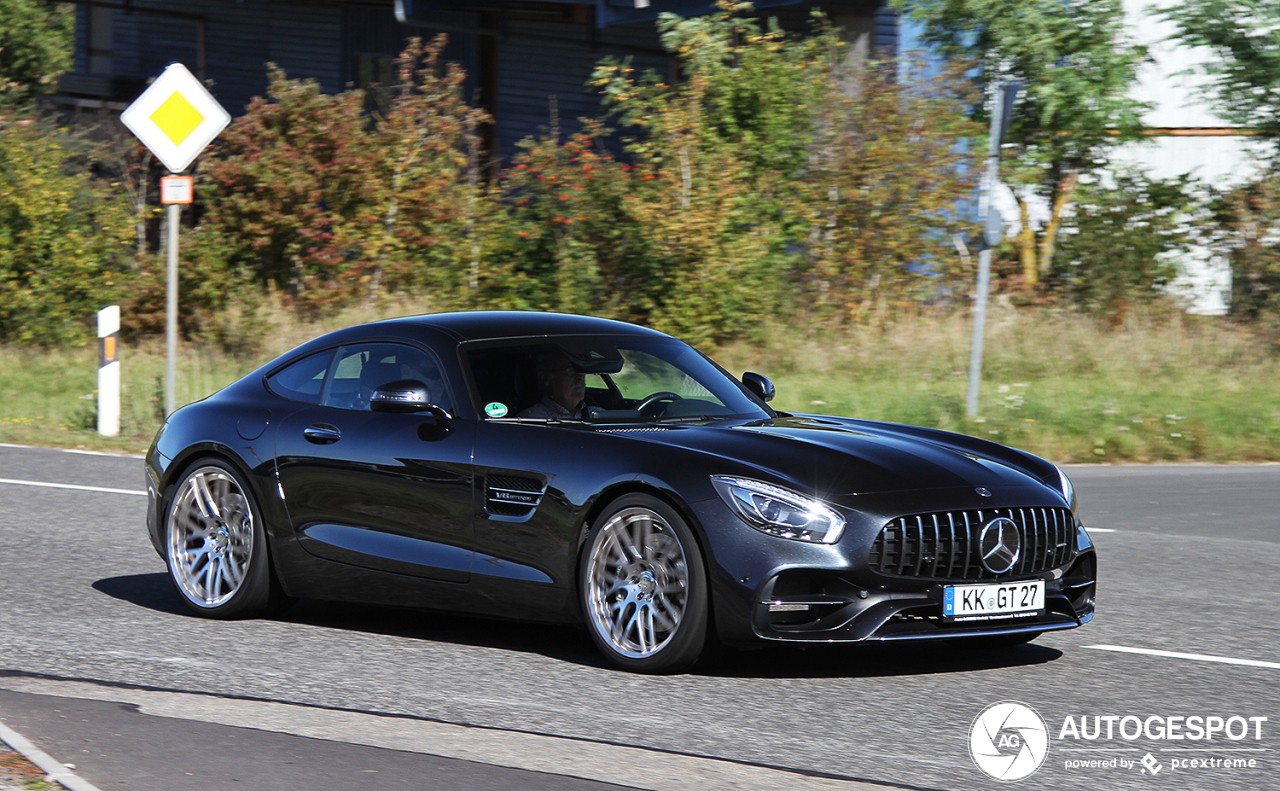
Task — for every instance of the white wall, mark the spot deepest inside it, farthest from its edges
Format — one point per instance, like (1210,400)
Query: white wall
(1175,94)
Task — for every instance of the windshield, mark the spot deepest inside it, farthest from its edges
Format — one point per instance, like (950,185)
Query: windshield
(604,378)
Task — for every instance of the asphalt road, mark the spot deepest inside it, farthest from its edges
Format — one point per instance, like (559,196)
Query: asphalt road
(89,625)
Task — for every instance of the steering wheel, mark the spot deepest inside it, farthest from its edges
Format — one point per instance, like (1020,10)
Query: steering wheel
(644,407)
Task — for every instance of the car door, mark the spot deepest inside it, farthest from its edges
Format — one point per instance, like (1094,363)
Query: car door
(528,480)
(385,491)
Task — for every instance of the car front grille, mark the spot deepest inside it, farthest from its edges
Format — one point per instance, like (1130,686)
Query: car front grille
(944,546)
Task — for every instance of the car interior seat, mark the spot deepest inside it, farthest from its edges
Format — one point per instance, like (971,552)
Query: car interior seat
(374,375)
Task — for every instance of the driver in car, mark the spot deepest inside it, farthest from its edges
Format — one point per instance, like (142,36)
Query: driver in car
(562,387)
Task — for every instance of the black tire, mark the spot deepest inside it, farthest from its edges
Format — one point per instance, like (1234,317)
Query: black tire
(646,612)
(216,546)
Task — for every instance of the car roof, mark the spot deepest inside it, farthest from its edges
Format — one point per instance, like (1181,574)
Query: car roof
(462,327)
(492,324)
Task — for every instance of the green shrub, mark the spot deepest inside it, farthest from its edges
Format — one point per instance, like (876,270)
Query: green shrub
(327,205)
(1115,249)
(64,238)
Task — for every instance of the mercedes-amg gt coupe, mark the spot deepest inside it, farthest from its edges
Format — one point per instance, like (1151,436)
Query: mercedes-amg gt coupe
(565,469)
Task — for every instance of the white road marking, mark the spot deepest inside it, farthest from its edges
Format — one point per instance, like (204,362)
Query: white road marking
(75,486)
(1216,749)
(535,752)
(1226,660)
(81,451)
(1100,529)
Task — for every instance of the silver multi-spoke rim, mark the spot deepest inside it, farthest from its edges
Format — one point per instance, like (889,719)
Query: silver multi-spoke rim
(210,537)
(638,583)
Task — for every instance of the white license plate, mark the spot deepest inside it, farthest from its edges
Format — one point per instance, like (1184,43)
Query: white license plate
(984,602)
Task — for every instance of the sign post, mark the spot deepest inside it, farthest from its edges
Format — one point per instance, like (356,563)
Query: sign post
(992,233)
(175,118)
(108,371)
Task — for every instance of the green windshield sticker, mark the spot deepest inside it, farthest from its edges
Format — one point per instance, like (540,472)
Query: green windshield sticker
(496,409)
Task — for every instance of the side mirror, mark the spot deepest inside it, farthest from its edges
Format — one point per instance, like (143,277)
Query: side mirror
(760,386)
(405,396)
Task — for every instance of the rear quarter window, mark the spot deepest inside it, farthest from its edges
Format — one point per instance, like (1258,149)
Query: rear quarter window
(302,380)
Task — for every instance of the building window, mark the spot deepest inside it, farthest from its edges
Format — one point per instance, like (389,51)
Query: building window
(376,76)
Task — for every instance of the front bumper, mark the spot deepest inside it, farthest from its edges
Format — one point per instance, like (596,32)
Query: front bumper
(773,589)
(846,613)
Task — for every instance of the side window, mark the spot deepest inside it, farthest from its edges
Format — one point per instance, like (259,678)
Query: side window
(505,379)
(303,380)
(362,368)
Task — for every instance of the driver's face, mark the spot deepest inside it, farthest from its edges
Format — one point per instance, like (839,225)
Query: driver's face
(565,386)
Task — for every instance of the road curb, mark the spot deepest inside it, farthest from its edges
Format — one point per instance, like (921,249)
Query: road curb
(547,754)
(55,772)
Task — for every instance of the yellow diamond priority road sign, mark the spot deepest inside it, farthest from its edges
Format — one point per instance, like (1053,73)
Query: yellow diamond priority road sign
(175,118)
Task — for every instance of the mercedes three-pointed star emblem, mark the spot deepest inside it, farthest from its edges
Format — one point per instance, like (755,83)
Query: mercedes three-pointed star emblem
(999,545)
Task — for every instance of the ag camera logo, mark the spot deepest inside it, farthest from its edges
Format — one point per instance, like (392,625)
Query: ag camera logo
(1008,740)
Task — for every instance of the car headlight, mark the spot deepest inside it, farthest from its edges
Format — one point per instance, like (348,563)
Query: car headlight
(1068,490)
(780,512)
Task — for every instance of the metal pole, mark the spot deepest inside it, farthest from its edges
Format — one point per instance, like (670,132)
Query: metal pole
(989,179)
(171,312)
(979,327)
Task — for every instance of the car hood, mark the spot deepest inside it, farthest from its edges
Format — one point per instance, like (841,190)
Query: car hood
(840,456)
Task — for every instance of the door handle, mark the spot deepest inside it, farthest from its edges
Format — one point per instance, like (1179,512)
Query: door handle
(322,433)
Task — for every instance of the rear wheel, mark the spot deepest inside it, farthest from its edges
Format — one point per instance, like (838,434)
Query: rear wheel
(216,547)
(644,588)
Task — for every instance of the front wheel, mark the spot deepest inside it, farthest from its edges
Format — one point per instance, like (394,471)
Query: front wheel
(644,588)
(216,547)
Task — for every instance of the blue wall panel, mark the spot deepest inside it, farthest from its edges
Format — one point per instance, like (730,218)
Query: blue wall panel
(242,38)
(538,61)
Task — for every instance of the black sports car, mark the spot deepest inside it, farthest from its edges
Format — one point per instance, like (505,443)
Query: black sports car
(566,469)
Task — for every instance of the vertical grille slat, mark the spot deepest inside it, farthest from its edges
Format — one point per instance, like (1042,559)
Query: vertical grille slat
(1063,536)
(902,548)
(1068,536)
(944,545)
(1020,519)
(1054,539)
(937,547)
(1045,552)
(1041,559)
(1031,554)
(920,546)
(953,555)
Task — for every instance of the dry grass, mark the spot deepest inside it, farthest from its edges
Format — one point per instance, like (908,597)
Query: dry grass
(48,396)
(19,774)
(1164,386)
(1161,387)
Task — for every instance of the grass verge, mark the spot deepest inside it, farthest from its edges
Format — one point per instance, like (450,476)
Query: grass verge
(1164,387)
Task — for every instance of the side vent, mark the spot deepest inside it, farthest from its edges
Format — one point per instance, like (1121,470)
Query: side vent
(512,495)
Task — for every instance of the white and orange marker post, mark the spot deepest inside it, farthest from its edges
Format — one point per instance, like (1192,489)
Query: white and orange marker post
(109,371)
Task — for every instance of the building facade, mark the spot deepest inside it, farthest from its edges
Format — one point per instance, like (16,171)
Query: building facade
(522,58)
